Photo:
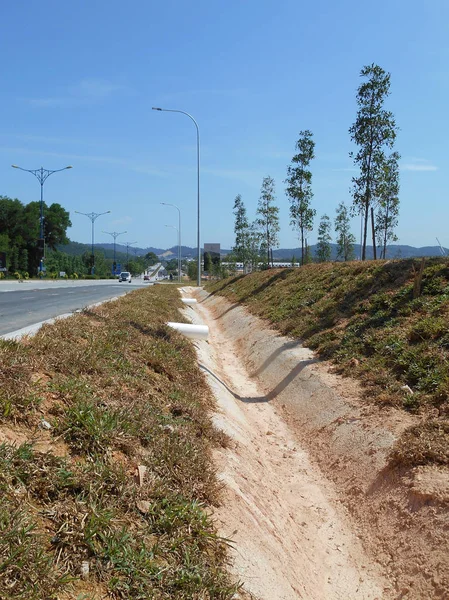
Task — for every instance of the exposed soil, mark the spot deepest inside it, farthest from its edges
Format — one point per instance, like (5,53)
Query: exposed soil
(310,502)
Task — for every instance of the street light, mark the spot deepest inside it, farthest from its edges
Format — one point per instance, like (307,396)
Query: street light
(115,236)
(128,244)
(93,217)
(42,175)
(179,243)
(179,238)
(198,281)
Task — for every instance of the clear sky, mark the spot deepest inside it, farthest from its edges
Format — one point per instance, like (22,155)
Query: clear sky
(79,80)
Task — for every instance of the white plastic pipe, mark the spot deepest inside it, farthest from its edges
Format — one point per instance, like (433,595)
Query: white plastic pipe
(188,300)
(195,332)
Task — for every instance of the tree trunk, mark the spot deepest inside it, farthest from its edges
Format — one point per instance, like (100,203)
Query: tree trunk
(374,234)
(365,230)
(268,245)
(386,230)
(302,247)
(272,263)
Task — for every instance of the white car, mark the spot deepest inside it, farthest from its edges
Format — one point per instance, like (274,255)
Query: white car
(125,276)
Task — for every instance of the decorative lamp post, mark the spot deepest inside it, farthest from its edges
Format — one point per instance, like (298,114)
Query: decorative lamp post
(41,175)
(93,217)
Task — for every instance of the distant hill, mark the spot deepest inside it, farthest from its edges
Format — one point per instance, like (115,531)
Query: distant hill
(284,254)
(393,251)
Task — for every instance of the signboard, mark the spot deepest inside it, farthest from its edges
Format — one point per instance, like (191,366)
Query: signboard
(117,269)
(211,256)
(3,261)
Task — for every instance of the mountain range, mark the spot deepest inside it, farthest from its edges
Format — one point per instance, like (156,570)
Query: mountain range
(282,254)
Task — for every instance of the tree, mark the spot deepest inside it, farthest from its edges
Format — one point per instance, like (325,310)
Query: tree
(388,203)
(268,218)
(323,251)
(23,259)
(374,130)
(192,270)
(241,230)
(345,239)
(22,222)
(151,258)
(56,222)
(299,187)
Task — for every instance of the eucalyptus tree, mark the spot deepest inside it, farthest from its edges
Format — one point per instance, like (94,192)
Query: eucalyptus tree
(373,132)
(267,218)
(299,187)
(388,203)
(323,249)
(242,232)
(345,239)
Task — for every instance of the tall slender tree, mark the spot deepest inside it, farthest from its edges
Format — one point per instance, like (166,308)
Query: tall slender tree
(267,218)
(299,187)
(374,130)
(323,250)
(388,203)
(241,230)
(345,239)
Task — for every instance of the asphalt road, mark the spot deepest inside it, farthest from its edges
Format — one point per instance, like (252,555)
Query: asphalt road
(35,302)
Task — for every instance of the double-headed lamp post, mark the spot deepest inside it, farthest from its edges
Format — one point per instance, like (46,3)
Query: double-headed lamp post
(198,182)
(93,217)
(115,235)
(179,237)
(41,175)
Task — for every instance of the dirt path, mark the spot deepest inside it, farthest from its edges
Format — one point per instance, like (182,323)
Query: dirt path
(292,537)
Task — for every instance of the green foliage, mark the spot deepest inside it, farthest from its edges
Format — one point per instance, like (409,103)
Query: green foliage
(192,270)
(267,220)
(345,239)
(22,222)
(388,203)
(151,258)
(242,230)
(323,251)
(299,187)
(374,131)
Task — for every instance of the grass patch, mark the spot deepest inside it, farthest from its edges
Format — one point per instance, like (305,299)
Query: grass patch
(366,311)
(121,390)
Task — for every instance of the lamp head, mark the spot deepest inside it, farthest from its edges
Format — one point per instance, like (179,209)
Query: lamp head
(14,166)
(156,108)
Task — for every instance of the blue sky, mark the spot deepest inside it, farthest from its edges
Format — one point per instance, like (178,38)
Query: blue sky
(79,80)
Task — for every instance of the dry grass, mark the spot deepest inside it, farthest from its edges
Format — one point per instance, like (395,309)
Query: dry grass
(121,390)
(364,317)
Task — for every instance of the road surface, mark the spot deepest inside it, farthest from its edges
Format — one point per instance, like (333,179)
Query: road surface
(24,304)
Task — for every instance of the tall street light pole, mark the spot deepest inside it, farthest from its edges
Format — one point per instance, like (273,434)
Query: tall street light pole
(128,244)
(179,272)
(93,217)
(41,175)
(115,235)
(179,237)
(198,280)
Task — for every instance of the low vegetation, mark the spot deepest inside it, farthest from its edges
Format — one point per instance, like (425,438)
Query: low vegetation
(106,476)
(380,322)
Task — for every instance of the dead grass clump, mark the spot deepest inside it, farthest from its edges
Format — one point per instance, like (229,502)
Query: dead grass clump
(423,444)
